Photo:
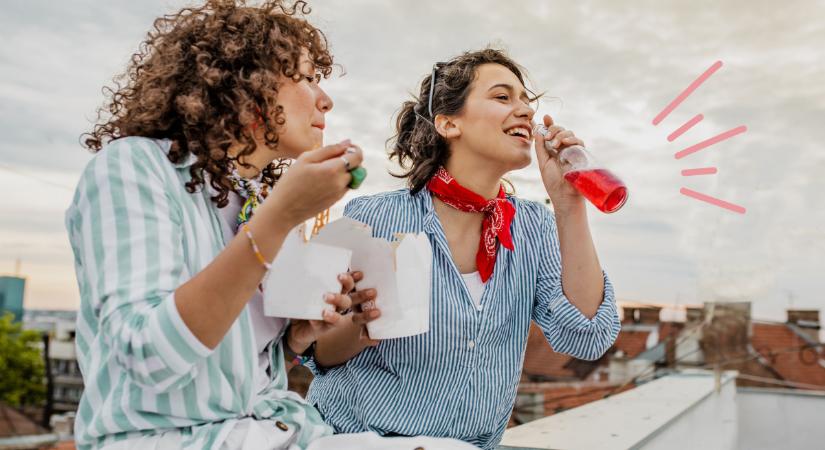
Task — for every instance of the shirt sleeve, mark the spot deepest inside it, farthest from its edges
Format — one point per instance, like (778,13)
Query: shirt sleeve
(565,327)
(127,237)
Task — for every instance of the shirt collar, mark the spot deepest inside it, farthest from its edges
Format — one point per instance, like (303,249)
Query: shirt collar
(430,220)
(188,160)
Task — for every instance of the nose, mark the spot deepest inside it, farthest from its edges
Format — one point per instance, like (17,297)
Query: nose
(525,111)
(324,102)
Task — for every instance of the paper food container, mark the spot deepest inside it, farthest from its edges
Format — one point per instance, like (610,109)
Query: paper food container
(399,271)
(302,273)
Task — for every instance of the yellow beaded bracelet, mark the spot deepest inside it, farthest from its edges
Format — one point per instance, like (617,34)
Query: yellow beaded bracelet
(255,248)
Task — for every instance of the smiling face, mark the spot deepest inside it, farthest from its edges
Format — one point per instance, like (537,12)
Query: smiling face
(495,124)
(304,106)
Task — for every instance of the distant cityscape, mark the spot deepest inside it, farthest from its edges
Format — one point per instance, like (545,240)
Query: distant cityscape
(655,341)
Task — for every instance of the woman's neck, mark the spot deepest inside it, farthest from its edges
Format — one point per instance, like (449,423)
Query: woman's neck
(256,161)
(477,176)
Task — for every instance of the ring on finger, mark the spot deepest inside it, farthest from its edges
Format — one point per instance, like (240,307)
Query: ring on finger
(346,163)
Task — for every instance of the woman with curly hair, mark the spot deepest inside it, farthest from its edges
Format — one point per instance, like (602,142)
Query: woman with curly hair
(173,344)
(499,262)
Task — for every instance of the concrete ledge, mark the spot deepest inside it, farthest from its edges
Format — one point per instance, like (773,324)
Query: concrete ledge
(635,418)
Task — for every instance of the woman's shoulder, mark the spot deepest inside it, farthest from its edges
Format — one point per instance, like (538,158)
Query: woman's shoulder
(134,150)
(127,161)
(533,213)
(383,204)
(387,198)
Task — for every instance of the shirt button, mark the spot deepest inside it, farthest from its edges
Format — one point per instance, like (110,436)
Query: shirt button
(471,344)
(281,426)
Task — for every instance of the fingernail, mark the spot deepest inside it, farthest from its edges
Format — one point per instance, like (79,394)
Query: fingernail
(370,292)
(329,297)
(554,143)
(346,142)
(340,277)
(373,314)
(350,150)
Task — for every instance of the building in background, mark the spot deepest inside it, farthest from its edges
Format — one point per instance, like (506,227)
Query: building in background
(11,296)
(67,382)
(65,379)
(656,341)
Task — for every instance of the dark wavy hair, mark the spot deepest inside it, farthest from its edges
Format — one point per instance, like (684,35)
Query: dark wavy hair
(417,146)
(203,76)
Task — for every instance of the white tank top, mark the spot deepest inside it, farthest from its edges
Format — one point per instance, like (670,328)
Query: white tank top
(475,286)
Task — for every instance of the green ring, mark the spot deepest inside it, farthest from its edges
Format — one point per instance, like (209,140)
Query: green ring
(358,175)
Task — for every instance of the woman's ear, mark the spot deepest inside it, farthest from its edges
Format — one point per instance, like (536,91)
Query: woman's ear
(446,127)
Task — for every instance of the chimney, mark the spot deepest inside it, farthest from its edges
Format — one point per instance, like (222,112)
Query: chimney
(647,314)
(727,336)
(807,320)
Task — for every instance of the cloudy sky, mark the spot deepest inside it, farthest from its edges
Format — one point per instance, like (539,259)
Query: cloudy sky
(607,67)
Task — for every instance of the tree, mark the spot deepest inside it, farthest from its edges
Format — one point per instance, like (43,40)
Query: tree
(22,370)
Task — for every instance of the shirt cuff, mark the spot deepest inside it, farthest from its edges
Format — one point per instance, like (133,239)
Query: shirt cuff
(176,345)
(570,318)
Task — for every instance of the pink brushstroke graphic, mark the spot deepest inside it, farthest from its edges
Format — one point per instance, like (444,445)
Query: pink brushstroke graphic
(688,125)
(686,93)
(708,142)
(712,200)
(700,171)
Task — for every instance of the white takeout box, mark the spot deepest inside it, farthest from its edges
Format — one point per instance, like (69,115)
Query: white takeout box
(302,273)
(399,271)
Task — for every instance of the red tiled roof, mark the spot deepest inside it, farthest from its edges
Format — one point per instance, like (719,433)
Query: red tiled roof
(14,423)
(782,348)
(540,360)
(631,343)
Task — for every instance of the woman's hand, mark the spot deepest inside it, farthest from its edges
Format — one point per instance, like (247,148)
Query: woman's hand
(302,333)
(313,183)
(562,194)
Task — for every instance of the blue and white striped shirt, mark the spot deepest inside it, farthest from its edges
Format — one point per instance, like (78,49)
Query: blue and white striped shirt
(460,379)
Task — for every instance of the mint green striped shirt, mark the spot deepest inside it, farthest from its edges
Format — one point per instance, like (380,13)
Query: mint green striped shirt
(137,235)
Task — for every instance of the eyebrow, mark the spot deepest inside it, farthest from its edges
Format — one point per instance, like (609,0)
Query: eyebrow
(510,89)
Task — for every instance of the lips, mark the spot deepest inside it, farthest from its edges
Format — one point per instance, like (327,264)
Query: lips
(320,126)
(521,132)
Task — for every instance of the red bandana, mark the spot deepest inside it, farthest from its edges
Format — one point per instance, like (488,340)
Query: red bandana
(498,213)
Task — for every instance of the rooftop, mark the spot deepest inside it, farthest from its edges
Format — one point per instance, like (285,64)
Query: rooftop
(687,409)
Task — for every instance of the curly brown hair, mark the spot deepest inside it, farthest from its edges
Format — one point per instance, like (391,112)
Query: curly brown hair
(417,146)
(203,76)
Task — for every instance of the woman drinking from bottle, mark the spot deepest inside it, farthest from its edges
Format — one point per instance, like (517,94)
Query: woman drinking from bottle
(499,262)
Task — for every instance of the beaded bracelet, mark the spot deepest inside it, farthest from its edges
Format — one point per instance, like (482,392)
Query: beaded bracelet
(255,248)
(296,359)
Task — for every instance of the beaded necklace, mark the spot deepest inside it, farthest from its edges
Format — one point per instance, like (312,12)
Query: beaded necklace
(252,191)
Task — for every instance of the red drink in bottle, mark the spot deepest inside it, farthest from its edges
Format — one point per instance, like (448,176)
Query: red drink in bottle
(597,184)
(600,186)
